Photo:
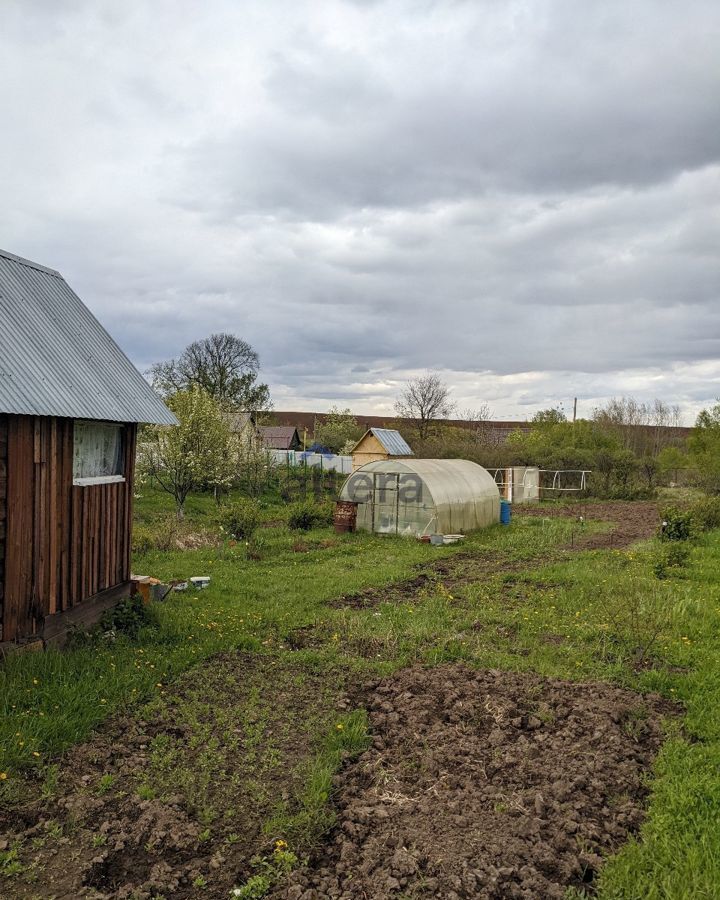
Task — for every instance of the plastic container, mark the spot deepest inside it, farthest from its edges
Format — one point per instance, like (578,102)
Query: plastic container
(437,539)
(200,582)
(505,512)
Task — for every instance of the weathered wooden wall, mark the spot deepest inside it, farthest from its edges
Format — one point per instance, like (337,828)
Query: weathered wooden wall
(64,543)
(3,507)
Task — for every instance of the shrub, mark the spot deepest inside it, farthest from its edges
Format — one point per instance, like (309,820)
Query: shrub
(672,555)
(706,513)
(677,525)
(142,539)
(127,618)
(638,615)
(240,519)
(308,515)
(160,535)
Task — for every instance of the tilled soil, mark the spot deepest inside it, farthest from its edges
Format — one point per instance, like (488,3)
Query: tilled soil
(486,785)
(632,521)
(460,569)
(171,802)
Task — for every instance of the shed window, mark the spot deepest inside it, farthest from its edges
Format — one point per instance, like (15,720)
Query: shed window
(97,453)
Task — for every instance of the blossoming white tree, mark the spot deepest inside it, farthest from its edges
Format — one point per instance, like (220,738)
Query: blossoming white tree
(200,451)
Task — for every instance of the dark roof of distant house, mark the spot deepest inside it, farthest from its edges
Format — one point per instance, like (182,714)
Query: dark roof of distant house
(390,439)
(56,359)
(279,437)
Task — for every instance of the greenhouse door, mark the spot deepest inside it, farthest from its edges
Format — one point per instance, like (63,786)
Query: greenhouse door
(385,503)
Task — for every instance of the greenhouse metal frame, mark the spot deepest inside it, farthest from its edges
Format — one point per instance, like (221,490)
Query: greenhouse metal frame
(423,496)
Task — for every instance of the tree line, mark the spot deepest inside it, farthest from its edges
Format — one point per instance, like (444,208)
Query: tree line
(630,446)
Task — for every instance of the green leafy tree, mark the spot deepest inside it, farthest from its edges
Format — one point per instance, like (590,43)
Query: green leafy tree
(552,416)
(223,365)
(339,429)
(704,449)
(671,461)
(200,451)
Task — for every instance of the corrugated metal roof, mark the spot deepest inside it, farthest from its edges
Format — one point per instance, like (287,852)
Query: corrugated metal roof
(392,441)
(56,359)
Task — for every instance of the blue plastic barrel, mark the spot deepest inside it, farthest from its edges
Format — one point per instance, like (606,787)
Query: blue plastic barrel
(504,512)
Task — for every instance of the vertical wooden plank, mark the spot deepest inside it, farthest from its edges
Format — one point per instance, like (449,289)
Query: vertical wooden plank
(100,536)
(84,546)
(106,535)
(20,522)
(65,519)
(97,532)
(114,534)
(91,535)
(3,511)
(74,552)
(130,450)
(52,468)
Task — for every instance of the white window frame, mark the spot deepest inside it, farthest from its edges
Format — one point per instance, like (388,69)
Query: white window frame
(88,481)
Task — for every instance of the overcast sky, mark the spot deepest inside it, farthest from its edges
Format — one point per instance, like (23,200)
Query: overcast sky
(522,196)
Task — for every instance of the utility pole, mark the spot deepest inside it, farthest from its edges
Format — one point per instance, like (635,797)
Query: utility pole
(574,409)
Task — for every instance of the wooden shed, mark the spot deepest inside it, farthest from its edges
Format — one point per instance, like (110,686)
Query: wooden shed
(378,444)
(70,403)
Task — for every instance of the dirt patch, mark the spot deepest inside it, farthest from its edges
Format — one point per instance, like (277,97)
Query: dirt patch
(632,521)
(486,785)
(171,802)
(454,572)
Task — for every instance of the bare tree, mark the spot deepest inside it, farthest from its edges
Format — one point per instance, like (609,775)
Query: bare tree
(644,428)
(223,365)
(423,400)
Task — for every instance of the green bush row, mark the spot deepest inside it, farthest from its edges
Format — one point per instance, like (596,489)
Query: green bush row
(681,524)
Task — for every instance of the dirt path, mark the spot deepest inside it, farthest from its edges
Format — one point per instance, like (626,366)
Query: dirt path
(486,785)
(631,522)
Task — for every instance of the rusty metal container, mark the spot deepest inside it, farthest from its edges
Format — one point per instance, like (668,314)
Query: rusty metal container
(345,518)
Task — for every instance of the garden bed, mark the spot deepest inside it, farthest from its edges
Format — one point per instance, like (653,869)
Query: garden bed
(486,784)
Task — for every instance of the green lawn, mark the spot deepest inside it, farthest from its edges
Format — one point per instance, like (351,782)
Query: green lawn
(575,615)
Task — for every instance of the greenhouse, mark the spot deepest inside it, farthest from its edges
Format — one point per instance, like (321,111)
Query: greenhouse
(423,496)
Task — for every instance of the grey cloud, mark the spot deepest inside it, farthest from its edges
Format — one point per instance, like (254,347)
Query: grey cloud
(522,195)
(573,99)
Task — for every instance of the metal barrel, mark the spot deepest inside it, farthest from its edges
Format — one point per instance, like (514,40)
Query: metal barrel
(345,518)
(505,513)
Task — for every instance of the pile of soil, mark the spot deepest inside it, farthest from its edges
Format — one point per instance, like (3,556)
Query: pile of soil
(632,521)
(486,785)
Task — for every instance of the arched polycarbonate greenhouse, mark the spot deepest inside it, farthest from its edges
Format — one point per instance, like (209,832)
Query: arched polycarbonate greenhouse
(423,496)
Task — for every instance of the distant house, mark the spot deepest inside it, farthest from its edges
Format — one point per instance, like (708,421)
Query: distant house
(243,425)
(280,437)
(70,404)
(378,444)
